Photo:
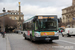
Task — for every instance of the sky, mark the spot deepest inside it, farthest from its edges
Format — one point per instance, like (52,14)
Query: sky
(31,8)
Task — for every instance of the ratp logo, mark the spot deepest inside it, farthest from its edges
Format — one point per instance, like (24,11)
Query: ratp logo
(45,33)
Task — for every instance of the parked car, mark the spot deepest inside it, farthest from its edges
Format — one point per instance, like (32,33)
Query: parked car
(68,32)
(21,32)
(59,30)
(17,31)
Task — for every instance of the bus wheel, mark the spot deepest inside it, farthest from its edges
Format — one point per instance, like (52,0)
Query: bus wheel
(68,35)
(25,37)
(62,35)
(31,39)
(50,40)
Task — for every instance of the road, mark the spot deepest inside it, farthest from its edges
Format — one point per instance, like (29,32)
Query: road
(17,42)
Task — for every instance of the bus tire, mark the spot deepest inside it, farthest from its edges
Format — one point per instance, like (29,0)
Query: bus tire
(62,35)
(31,38)
(25,37)
(50,40)
(68,35)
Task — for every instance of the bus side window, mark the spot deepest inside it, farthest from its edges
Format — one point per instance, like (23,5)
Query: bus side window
(32,25)
(25,26)
(29,26)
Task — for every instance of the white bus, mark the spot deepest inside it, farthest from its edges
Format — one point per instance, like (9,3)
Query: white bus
(41,27)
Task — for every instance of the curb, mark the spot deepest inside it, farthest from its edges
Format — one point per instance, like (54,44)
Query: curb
(7,44)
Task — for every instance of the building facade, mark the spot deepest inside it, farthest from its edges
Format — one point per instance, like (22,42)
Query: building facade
(68,15)
(16,15)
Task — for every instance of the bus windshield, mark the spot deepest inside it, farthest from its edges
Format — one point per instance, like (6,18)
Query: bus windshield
(47,25)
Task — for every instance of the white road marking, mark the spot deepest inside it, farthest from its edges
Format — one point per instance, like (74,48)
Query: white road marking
(67,41)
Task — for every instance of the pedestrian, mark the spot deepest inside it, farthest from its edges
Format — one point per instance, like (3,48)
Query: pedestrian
(3,34)
(0,31)
(61,31)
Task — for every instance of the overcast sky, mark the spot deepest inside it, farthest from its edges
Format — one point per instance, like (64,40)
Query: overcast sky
(31,8)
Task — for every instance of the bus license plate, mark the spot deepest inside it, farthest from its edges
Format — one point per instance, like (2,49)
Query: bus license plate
(47,38)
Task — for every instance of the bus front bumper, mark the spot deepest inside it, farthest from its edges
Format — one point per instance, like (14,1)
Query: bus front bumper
(46,38)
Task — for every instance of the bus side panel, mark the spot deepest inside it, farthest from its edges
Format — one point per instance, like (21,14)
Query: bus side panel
(28,33)
(33,33)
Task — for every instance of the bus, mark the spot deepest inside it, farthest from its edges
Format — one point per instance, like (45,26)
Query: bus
(41,27)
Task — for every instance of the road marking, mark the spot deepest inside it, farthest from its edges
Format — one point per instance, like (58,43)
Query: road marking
(67,41)
(8,44)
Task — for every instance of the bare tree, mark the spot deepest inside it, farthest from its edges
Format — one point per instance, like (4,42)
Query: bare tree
(60,22)
(6,21)
(10,22)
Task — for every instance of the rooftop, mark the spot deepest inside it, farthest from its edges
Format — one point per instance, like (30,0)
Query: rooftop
(10,12)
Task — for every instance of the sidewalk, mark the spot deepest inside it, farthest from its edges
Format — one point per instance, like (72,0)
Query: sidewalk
(2,43)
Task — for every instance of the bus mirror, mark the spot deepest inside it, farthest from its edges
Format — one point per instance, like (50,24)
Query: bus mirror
(58,20)
(33,20)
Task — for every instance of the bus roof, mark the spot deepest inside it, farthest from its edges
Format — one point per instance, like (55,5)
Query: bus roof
(29,19)
(55,16)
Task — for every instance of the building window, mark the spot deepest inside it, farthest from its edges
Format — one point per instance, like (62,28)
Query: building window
(18,13)
(15,13)
(21,18)
(74,14)
(74,8)
(71,9)
(64,11)
(12,13)
(63,18)
(10,17)
(9,13)
(15,18)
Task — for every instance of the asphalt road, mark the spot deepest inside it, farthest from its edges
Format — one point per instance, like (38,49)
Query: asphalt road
(17,42)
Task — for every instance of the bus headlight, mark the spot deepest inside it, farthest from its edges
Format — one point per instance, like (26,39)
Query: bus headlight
(56,34)
(37,34)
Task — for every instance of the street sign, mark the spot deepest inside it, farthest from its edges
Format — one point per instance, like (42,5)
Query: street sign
(74,18)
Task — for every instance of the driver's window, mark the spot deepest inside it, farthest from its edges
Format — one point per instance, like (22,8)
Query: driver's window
(51,24)
(36,26)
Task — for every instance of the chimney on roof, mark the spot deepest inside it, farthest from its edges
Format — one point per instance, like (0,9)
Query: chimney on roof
(4,10)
